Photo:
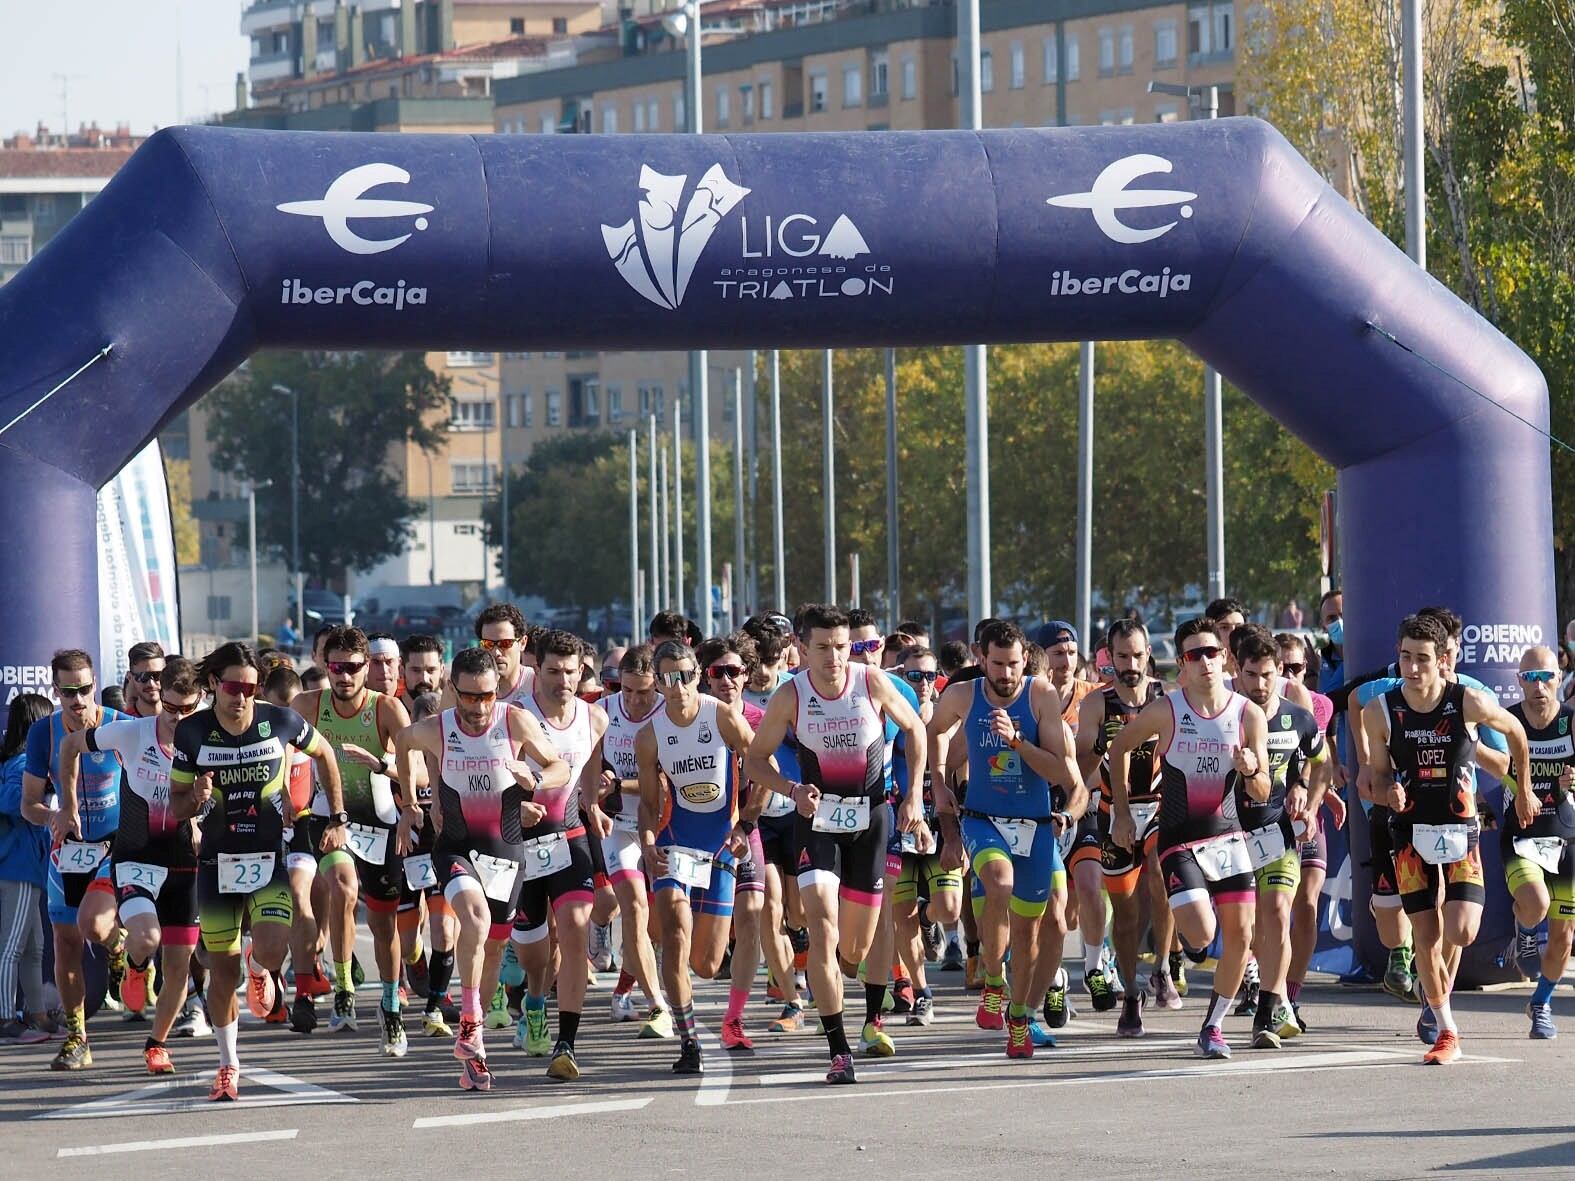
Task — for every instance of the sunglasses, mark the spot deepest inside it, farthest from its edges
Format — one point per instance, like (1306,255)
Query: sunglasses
(144,678)
(239,688)
(919,675)
(1201,653)
(1295,670)
(180,711)
(342,668)
(732,672)
(863,647)
(681,676)
(475,698)
(1538,676)
(500,645)
(75,690)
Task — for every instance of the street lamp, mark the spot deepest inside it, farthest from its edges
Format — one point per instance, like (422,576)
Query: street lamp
(1207,100)
(251,527)
(295,504)
(503,464)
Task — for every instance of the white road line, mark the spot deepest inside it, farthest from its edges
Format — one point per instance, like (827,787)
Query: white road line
(182,1142)
(714,1084)
(988,1058)
(524,1113)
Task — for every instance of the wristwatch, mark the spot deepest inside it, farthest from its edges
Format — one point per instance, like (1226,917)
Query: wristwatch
(337,819)
(748,826)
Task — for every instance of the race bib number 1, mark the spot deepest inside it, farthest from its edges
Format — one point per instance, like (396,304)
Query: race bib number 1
(241,873)
(842,814)
(1265,845)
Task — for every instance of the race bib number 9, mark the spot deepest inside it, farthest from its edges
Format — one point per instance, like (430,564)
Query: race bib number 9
(1224,857)
(842,814)
(546,855)
(241,873)
(141,875)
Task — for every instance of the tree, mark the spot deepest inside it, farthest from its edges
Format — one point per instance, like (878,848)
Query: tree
(356,411)
(188,540)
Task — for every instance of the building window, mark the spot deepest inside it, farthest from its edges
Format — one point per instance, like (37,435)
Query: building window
(549,124)
(817,92)
(1052,61)
(910,78)
(1107,52)
(1018,70)
(1124,50)
(653,116)
(880,69)
(471,414)
(516,26)
(218,607)
(469,360)
(609,120)
(470,476)
(554,408)
(1224,28)
(639,116)
(723,105)
(1164,45)
(528,410)
(746,103)
(1165,114)
(1126,116)
(511,411)
(1074,59)
(1198,32)
(852,86)
(680,116)
(986,71)
(615,403)
(560,24)
(767,100)
(15,249)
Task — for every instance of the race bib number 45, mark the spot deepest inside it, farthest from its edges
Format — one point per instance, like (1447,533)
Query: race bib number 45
(81,856)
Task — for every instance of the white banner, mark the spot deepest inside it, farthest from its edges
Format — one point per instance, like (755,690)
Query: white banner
(136,564)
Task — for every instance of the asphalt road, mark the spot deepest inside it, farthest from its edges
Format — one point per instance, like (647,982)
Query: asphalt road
(1351,1098)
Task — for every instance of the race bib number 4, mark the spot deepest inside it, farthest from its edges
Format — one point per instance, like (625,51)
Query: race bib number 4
(241,873)
(367,842)
(497,875)
(1018,835)
(689,867)
(141,875)
(81,856)
(1143,815)
(1545,851)
(842,814)
(1441,844)
(1265,845)
(547,855)
(419,874)
(1224,857)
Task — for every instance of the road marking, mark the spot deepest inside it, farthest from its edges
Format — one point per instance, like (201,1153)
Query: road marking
(714,1084)
(181,1142)
(989,1058)
(163,1098)
(523,1113)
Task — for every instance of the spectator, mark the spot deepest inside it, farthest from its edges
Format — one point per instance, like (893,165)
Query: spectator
(24,860)
(1290,617)
(288,638)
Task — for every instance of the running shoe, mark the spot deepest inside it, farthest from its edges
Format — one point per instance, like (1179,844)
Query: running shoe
(900,995)
(841,1072)
(497,1012)
(1165,994)
(1427,1026)
(261,992)
(1211,1044)
(357,974)
(689,1058)
(992,1004)
(1178,973)
(1296,1012)
(313,984)
(952,960)
(532,1035)
(224,1085)
(1542,1027)
(1264,1038)
(116,950)
(1104,997)
(434,1024)
(923,1010)
(1398,976)
(1018,1043)
(563,1067)
(193,1020)
(395,1044)
(1528,956)
(733,1035)
(303,1015)
(1284,1021)
(791,1020)
(74,1053)
(1055,1010)
(1445,1051)
(1130,1023)
(474,1075)
(874,1042)
(934,936)
(1247,997)
(468,1045)
(280,1013)
(658,1023)
(419,976)
(1040,1036)
(601,953)
(344,1013)
(135,987)
(158,1060)
(623,1008)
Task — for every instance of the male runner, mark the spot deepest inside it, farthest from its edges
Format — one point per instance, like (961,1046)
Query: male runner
(501,630)
(1422,746)
(141,686)
(421,667)
(230,764)
(154,866)
(382,664)
(80,858)
(694,836)
(837,711)
(1103,716)
(1206,736)
(1538,837)
(360,723)
(483,805)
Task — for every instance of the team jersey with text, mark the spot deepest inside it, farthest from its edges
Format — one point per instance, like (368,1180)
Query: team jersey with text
(842,739)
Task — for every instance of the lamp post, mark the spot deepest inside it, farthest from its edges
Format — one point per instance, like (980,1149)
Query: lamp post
(976,387)
(251,541)
(295,504)
(503,464)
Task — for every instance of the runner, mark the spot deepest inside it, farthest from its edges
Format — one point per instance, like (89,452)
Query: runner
(501,630)
(1207,736)
(141,686)
(617,817)
(230,764)
(423,894)
(1422,744)
(695,831)
(1539,828)
(473,753)
(382,664)
(361,723)
(558,868)
(421,668)
(836,712)
(1016,743)
(79,863)
(154,867)
(1103,716)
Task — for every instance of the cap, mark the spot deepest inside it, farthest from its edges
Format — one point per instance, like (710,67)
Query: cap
(1057,631)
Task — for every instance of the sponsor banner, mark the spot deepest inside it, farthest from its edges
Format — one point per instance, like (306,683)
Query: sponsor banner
(136,564)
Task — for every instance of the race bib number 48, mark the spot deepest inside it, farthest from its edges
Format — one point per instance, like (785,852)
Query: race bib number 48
(842,814)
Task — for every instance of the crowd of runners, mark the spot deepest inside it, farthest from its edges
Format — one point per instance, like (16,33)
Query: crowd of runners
(853,810)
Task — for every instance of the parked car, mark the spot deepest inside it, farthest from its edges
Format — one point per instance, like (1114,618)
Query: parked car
(322,606)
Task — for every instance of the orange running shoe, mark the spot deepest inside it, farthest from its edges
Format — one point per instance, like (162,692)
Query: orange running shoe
(773,989)
(224,1084)
(134,988)
(313,983)
(260,992)
(158,1060)
(1446,1049)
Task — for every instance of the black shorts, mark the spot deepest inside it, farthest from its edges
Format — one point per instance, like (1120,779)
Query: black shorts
(380,886)
(1382,859)
(306,838)
(451,866)
(1418,879)
(857,861)
(778,841)
(409,899)
(175,904)
(1088,844)
(576,883)
(1186,882)
(1314,850)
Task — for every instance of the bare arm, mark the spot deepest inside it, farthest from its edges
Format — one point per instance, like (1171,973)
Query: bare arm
(1090,724)
(1051,756)
(413,746)
(759,764)
(65,820)
(1251,758)
(1153,724)
(1375,732)
(645,756)
(536,746)
(947,716)
(910,813)
(1484,709)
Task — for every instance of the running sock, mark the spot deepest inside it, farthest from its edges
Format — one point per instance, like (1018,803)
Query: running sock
(470,1002)
(342,979)
(998,980)
(136,967)
(568,1026)
(973,946)
(535,1004)
(625,984)
(1399,957)
(874,998)
(1218,1007)
(685,1016)
(836,1039)
(225,1035)
(390,996)
(1265,1014)
(440,972)
(1293,991)
(737,998)
(1093,957)
(1543,993)
(1441,1014)
(76,1022)
(1018,1012)
(152,1043)
(925,993)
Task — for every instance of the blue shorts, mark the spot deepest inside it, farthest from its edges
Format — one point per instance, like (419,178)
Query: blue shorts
(717,898)
(66,891)
(1034,876)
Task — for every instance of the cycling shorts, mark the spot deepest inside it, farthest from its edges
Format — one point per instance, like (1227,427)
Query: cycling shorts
(576,882)
(1087,845)
(1035,875)
(621,855)
(379,886)
(66,890)
(778,843)
(1314,851)
(221,915)
(854,862)
(922,873)
(457,874)
(1124,867)
(1282,875)
(1186,883)
(1418,880)
(172,901)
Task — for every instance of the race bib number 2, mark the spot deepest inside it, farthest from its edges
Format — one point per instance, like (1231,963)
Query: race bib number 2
(1224,857)
(419,874)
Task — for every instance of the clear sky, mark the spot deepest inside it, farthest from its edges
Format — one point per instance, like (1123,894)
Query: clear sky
(121,61)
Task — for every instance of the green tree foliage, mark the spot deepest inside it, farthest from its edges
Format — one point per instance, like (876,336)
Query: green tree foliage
(356,411)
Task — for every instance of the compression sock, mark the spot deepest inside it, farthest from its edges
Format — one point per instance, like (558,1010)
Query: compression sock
(737,998)
(76,1022)
(1441,1014)
(470,1002)
(836,1039)
(1218,1007)
(1543,993)
(973,946)
(390,996)
(136,967)
(1264,1017)
(342,980)
(625,984)
(685,1016)
(1293,991)
(874,998)
(568,1026)
(535,1004)
(440,972)
(225,1035)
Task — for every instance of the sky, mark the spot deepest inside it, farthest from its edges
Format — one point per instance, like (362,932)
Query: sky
(120,59)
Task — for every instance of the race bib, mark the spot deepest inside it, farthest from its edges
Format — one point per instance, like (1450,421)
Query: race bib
(1223,857)
(141,875)
(909,842)
(367,842)
(628,822)
(547,855)
(1265,844)
(1018,834)
(241,873)
(1545,851)
(842,814)
(497,875)
(1143,815)
(81,856)
(1441,844)
(778,805)
(419,874)
(689,867)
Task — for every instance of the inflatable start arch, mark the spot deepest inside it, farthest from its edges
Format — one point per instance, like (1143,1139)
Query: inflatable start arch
(213,243)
